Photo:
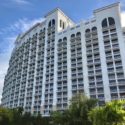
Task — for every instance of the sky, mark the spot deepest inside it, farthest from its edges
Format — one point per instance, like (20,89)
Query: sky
(17,16)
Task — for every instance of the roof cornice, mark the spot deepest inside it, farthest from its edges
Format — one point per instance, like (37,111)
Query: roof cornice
(107,7)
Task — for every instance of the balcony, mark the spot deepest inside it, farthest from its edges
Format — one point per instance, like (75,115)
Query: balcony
(113,37)
(101,98)
(106,37)
(100,92)
(62,90)
(114,98)
(92,86)
(92,92)
(121,90)
(88,41)
(113,91)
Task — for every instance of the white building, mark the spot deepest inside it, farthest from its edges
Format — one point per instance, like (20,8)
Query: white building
(57,58)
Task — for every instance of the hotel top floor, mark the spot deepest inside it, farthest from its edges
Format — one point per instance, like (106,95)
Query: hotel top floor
(65,26)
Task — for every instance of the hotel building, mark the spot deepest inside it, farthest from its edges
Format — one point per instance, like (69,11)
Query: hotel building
(56,58)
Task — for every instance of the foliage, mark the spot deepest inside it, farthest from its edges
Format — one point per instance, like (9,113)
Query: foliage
(16,117)
(113,113)
(77,114)
(57,117)
(5,116)
(81,111)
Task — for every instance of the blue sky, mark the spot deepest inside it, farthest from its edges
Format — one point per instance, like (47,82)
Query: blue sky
(18,15)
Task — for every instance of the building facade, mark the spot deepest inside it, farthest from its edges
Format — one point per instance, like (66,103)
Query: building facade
(56,58)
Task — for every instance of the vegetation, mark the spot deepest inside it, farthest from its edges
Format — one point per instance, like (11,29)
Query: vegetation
(77,114)
(82,111)
(16,117)
(113,113)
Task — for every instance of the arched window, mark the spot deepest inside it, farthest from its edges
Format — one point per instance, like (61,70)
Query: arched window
(73,35)
(60,40)
(111,21)
(63,25)
(94,29)
(49,25)
(41,31)
(87,31)
(104,23)
(78,34)
(53,22)
(60,23)
(44,29)
(64,39)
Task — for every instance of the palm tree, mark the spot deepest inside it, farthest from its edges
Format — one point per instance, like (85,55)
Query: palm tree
(77,113)
(113,113)
(79,108)
(96,116)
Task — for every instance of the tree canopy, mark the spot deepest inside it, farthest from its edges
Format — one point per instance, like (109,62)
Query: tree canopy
(113,113)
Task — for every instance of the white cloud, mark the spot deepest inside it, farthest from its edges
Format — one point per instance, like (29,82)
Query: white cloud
(123,18)
(13,30)
(20,26)
(24,24)
(21,2)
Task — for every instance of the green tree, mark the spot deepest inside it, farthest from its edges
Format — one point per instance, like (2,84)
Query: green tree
(79,108)
(57,117)
(17,115)
(113,113)
(6,116)
(96,116)
(77,113)
(27,119)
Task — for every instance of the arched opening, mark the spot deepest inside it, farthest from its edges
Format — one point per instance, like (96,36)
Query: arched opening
(87,31)
(104,23)
(60,23)
(94,29)
(49,25)
(63,25)
(64,39)
(111,21)
(60,40)
(53,22)
(73,36)
(78,34)
(44,29)
(41,31)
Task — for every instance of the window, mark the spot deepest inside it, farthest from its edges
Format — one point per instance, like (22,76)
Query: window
(64,39)
(49,25)
(73,35)
(111,21)
(63,25)
(60,40)
(78,34)
(53,22)
(87,31)
(104,23)
(44,29)
(60,23)
(94,29)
